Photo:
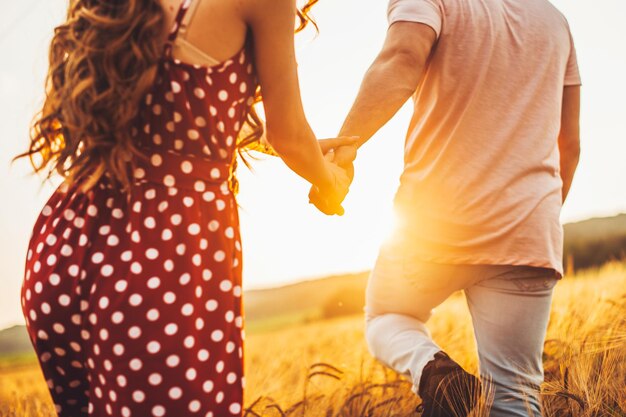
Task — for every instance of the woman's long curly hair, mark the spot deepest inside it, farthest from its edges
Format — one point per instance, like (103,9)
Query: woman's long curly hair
(103,60)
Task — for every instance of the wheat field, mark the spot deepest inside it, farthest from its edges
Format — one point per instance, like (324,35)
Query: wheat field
(323,368)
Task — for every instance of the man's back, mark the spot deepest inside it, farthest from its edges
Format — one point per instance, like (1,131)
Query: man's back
(481,193)
(481,181)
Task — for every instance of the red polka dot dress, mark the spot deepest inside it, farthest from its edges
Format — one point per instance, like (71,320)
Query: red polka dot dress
(133,301)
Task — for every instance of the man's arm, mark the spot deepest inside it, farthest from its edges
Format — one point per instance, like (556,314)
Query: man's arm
(391,80)
(569,136)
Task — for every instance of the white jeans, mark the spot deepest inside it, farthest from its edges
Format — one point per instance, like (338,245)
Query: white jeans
(509,305)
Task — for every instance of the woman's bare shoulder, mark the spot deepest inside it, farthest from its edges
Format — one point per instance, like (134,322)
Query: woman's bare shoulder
(266,9)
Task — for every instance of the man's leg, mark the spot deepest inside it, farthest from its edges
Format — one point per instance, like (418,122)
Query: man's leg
(510,313)
(401,342)
(400,295)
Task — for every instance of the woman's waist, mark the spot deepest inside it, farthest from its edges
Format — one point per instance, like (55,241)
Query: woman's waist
(176,170)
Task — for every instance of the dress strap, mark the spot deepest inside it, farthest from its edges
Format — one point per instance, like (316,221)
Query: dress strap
(181,43)
(178,23)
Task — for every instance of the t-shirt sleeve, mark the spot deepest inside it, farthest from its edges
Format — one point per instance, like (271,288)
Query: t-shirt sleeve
(417,11)
(572,73)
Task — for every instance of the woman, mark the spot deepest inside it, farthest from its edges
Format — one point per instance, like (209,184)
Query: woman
(132,293)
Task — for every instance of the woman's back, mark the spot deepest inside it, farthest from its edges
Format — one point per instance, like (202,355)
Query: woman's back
(214,28)
(193,112)
(136,291)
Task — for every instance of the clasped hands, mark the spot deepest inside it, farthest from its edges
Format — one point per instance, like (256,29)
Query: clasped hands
(339,155)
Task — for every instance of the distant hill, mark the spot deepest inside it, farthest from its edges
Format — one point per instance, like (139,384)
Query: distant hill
(588,243)
(596,228)
(302,296)
(14,341)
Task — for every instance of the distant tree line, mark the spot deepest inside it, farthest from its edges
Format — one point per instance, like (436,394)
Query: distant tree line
(584,253)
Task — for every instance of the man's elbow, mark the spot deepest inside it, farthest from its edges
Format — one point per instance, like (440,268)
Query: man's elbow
(403,58)
(403,65)
(569,146)
(573,154)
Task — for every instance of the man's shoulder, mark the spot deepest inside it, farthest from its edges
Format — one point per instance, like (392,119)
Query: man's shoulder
(527,13)
(557,13)
(460,6)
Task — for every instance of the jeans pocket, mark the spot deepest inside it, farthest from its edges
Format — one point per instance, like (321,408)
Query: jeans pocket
(543,282)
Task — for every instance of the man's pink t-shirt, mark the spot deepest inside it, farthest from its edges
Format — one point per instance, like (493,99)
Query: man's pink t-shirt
(481,183)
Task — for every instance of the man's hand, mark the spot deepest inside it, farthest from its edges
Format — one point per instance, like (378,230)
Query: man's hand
(343,154)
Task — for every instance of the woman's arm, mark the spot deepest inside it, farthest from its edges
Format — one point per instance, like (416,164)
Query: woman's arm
(272,24)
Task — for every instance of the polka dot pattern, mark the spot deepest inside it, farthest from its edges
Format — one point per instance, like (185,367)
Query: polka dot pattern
(133,303)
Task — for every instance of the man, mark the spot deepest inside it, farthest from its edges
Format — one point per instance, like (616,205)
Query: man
(490,156)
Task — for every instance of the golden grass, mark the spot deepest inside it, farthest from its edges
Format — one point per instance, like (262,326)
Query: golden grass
(323,369)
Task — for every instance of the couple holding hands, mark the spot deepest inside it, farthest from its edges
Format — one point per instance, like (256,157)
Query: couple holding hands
(132,292)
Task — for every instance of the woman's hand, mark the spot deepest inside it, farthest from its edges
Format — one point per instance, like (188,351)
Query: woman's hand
(328,197)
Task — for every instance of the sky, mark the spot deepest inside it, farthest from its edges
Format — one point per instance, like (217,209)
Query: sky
(285,239)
